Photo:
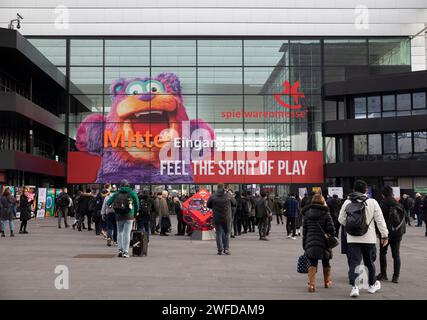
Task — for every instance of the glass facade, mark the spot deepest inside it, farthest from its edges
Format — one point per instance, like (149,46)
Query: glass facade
(244,88)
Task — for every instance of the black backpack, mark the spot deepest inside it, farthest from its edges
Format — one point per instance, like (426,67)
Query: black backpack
(63,201)
(122,203)
(396,220)
(356,224)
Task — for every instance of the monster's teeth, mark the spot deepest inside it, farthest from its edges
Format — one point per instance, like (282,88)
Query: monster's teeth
(144,113)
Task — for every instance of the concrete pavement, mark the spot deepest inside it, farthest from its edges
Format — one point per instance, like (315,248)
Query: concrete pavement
(178,268)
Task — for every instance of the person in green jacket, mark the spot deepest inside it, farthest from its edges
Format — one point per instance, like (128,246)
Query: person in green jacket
(126,206)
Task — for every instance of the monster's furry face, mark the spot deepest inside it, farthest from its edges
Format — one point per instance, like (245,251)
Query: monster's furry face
(142,105)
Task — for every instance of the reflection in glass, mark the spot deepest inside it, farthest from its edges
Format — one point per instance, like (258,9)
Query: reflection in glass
(389,51)
(266,52)
(404,144)
(173,52)
(419,100)
(420,141)
(345,52)
(389,141)
(360,145)
(86,52)
(219,52)
(127,52)
(216,80)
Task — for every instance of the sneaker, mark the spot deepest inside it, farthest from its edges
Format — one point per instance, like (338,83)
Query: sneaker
(125,255)
(219,252)
(375,287)
(293,238)
(395,279)
(109,242)
(120,254)
(21,232)
(354,292)
(227,252)
(25,232)
(289,237)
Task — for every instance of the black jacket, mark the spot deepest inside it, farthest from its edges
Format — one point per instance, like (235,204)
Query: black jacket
(385,206)
(220,203)
(24,208)
(262,210)
(84,200)
(334,206)
(314,242)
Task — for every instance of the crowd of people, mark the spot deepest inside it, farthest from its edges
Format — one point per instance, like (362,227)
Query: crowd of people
(362,220)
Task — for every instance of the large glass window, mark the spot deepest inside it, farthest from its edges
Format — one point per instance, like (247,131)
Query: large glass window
(420,141)
(374,107)
(345,52)
(389,51)
(53,49)
(86,52)
(404,144)
(404,104)
(389,142)
(266,52)
(219,53)
(127,52)
(359,107)
(374,144)
(173,52)
(360,143)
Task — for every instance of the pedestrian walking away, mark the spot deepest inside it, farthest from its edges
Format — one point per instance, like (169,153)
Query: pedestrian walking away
(359,215)
(220,202)
(317,222)
(125,204)
(63,203)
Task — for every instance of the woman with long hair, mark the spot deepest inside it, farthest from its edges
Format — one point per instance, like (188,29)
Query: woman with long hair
(317,222)
(7,208)
(24,210)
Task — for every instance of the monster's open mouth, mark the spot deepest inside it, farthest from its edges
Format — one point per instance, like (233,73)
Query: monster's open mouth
(154,122)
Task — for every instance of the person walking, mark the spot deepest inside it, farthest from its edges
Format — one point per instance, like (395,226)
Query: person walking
(408,204)
(25,211)
(317,222)
(108,215)
(292,211)
(251,216)
(278,209)
(164,214)
(143,218)
(334,205)
(245,212)
(359,215)
(394,217)
(418,211)
(155,213)
(76,209)
(238,216)
(178,211)
(63,203)
(125,204)
(424,210)
(233,222)
(96,209)
(220,202)
(262,213)
(7,209)
(83,209)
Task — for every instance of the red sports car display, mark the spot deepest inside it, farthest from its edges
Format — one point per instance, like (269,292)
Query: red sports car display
(196,213)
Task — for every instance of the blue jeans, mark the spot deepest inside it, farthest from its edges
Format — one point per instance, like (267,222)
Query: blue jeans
(124,227)
(4,223)
(111,226)
(222,236)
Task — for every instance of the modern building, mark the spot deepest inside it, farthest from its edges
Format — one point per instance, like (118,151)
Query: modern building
(232,59)
(376,128)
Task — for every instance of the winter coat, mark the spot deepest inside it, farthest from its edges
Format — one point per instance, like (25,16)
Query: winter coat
(277,206)
(24,208)
(292,207)
(178,211)
(135,203)
(418,205)
(334,206)
(220,202)
(262,210)
(424,208)
(374,216)
(7,206)
(386,205)
(314,241)
(239,207)
(252,204)
(83,207)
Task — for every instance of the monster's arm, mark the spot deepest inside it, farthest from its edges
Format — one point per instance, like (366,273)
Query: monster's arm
(90,134)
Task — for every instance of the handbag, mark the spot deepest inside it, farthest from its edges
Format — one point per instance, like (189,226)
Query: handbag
(331,241)
(303,264)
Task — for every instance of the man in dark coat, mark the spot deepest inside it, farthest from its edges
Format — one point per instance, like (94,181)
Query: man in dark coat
(334,205)
(83,209)
(395,234)
(292,208)
(317,222)
(63,202)
(263,214)
(418,211)
(220,202)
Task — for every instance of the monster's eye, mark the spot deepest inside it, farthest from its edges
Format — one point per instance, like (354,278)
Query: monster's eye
(155,86)
(118,88)
(135,88)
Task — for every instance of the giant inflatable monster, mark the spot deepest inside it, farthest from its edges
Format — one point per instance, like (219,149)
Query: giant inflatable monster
(144,115)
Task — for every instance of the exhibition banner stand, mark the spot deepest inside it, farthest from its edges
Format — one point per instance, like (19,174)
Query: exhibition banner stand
(50,202)
(41,203)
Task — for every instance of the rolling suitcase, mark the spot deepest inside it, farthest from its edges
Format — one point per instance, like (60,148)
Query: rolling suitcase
(139,242)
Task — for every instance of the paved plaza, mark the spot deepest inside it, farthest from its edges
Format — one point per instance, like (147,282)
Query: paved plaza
(178,268)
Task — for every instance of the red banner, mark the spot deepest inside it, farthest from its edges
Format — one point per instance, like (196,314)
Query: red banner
(227,167)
